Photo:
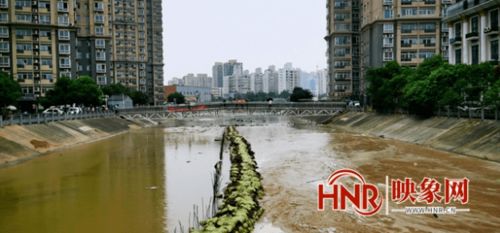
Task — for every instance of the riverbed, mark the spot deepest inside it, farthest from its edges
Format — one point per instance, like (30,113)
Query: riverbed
(159,179)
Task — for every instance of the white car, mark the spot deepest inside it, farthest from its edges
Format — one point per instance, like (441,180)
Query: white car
(75,110)
(53,111)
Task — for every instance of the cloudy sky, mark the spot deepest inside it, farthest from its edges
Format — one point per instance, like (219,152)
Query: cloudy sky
(257,32)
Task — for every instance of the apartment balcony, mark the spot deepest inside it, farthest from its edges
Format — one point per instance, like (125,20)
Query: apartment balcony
(472,36)
(387,2)
(456,40)
(430,2)
(62,7)
(405,2)
(491,30)
(388,45)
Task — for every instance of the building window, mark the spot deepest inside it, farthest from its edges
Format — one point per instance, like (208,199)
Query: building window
(475,54)
(494,18)
(4,17)
(408,56)
(99,31)
(45,33)
(342,40)
(47,76)
(63,20)
(44,19)
(4,46)
(458,30)
(45,48)
(46,62)
(388,55)
(494,50)
(22,62)
(388,27)
(388,13)
(101,68)
(426,11)
(100,56)
(100,43)
(4,3)
(4,61)
(458,56)
(408,11)
(426,54)
(64,35)
(99,6)
(24,18)
(474,24)
(20,48)
(428,41)
(65,62)
(64,49)
(408,27)
(99,18)
(4,32)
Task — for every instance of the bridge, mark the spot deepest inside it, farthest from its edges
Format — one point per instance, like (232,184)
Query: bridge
(218,110)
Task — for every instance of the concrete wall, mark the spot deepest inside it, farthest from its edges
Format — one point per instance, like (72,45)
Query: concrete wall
(20,143)
(469,137)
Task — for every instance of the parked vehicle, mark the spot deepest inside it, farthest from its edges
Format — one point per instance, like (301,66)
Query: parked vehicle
(53,111)
(74,110)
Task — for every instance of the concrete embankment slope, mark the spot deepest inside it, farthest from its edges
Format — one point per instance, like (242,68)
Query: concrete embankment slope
(19,143)
(469,137)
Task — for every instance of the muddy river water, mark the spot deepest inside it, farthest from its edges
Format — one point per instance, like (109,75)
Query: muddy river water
(159,180)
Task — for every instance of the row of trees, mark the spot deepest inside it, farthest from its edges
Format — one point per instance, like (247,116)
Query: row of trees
(81,91)
(298,94)
(433,85)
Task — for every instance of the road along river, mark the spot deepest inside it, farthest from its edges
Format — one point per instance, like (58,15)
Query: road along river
(160,179)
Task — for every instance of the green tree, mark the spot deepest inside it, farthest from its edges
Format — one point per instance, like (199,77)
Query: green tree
(10,91)
(115,89)
(85,90)
(284,94)
(139,97)
(385,85)
(176,97)
(299,94)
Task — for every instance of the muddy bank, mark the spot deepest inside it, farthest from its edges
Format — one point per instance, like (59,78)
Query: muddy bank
(469,137)
(21,143)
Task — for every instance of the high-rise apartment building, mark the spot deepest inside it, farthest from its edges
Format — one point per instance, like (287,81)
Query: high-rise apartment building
(218,74)
(474,31)
(288,78)
(343,47)
(113,41)
(366,33)
(136,39)
(93,40)
(37,43)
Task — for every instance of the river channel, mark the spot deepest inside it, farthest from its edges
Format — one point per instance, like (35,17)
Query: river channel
(160,180)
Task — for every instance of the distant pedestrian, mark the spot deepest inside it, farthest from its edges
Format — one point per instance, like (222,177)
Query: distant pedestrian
(269,102)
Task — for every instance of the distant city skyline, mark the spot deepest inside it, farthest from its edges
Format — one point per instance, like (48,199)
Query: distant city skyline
(258,33)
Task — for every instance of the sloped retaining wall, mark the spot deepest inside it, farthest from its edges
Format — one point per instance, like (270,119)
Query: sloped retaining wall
(19,143)
(469,137)
(240,208)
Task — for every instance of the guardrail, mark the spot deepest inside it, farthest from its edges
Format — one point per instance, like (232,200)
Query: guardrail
(44,118)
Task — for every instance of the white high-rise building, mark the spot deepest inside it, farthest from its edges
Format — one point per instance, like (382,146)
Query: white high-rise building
(288,78)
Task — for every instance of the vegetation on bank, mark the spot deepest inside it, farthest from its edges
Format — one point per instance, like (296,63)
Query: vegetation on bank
(81,91)
(433,85)
(240,209)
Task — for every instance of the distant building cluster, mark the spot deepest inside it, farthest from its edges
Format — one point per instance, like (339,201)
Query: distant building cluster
(229,79)
(365,33)
(113,41)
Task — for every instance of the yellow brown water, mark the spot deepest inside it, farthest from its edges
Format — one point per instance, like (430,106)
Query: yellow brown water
(100,187)
(150,180)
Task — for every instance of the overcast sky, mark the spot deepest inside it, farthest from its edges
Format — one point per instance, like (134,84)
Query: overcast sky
(258,33)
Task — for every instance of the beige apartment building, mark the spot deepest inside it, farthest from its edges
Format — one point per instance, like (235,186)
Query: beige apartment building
(37,43)
(406,31)
(113,41)
(343,47)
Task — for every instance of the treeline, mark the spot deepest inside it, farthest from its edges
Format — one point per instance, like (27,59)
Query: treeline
(433,85)
(81,91)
